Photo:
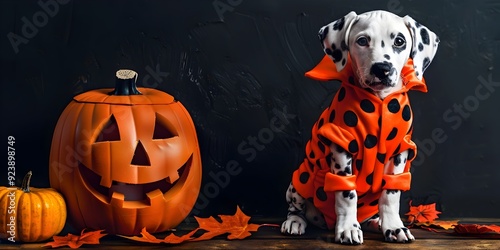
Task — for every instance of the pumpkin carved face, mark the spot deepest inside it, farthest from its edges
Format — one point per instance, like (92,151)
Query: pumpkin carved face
(126,160)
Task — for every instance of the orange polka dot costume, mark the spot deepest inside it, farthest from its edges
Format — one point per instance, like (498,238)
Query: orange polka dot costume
(371,129)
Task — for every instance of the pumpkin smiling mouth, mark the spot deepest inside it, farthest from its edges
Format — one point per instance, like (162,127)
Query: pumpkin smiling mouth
(127,193)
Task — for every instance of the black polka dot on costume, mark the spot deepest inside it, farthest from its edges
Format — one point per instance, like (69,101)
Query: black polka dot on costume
(374,203)
(370,141)
(341,94)
(324,140)
(359,164)
(406,113)
(320,194)
(361,204)
(304,177)
(411,154)
(383,182)
(332,116)
(321,122)
(311,165)
(353,146)
(393,106)
(369,179)
(367,106)
(381,157)
(321,146)
(312,155)
(392,134)
(350,118)
(351,79)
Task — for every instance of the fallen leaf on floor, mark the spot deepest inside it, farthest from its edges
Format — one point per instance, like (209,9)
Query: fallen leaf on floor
(76,241)
(422,213)
(444,224)
(477,229)
(236,226)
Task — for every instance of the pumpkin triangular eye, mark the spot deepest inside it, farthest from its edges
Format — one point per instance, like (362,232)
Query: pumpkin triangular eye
(163,128)
(110,131)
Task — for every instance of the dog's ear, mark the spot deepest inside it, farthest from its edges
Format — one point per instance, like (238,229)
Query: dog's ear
(425,44)
(334,38)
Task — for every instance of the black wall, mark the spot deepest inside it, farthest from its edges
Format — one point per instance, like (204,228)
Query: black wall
(237,66)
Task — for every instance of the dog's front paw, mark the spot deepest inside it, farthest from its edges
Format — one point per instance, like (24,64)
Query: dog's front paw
(348,231)
(402,235)
(395,231)
(294,225)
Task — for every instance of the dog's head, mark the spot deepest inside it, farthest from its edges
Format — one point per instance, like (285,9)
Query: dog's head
(379,44)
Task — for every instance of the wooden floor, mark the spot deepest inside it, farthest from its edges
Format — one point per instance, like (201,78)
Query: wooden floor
(271,238)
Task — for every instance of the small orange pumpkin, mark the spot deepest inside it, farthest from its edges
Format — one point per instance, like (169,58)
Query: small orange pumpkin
(126,159)
(31,214)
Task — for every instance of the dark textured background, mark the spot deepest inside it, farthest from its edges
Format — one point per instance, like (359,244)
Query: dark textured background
(233,68)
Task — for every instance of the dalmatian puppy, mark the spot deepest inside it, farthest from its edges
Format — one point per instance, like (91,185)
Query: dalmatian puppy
(353,173)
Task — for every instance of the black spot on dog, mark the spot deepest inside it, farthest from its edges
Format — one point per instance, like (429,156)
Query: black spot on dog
(397,159)
(424,34)
(427,62)
(293,190)
(348,170)
(413,53)
(348,194)
(337,55)
(323,33)
(340,149)
(337,166)
(388,57)
(420,47)
(417,24)
(339,24)
(382,44)
(343,46)
(393,35)
(392,191)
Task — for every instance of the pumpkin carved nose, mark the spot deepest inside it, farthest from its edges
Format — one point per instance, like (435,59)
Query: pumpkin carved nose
(140,156)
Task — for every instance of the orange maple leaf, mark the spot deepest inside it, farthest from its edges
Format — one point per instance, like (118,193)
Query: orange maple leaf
(444,224)
(236,225)
(477,229)
(75,241)
(422,213)
(171,238)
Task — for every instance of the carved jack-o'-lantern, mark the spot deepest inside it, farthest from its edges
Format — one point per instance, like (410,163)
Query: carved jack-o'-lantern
(126,159)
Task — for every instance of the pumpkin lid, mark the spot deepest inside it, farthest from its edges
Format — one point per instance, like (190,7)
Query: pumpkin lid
(125,93)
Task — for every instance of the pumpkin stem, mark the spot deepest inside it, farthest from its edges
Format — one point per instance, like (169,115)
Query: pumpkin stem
(25,186)
(125,83)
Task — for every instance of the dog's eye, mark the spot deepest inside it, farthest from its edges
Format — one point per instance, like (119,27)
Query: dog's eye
(399,41)
(362,41)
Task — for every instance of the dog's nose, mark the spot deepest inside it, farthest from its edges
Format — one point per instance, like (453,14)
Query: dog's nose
(381,70)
